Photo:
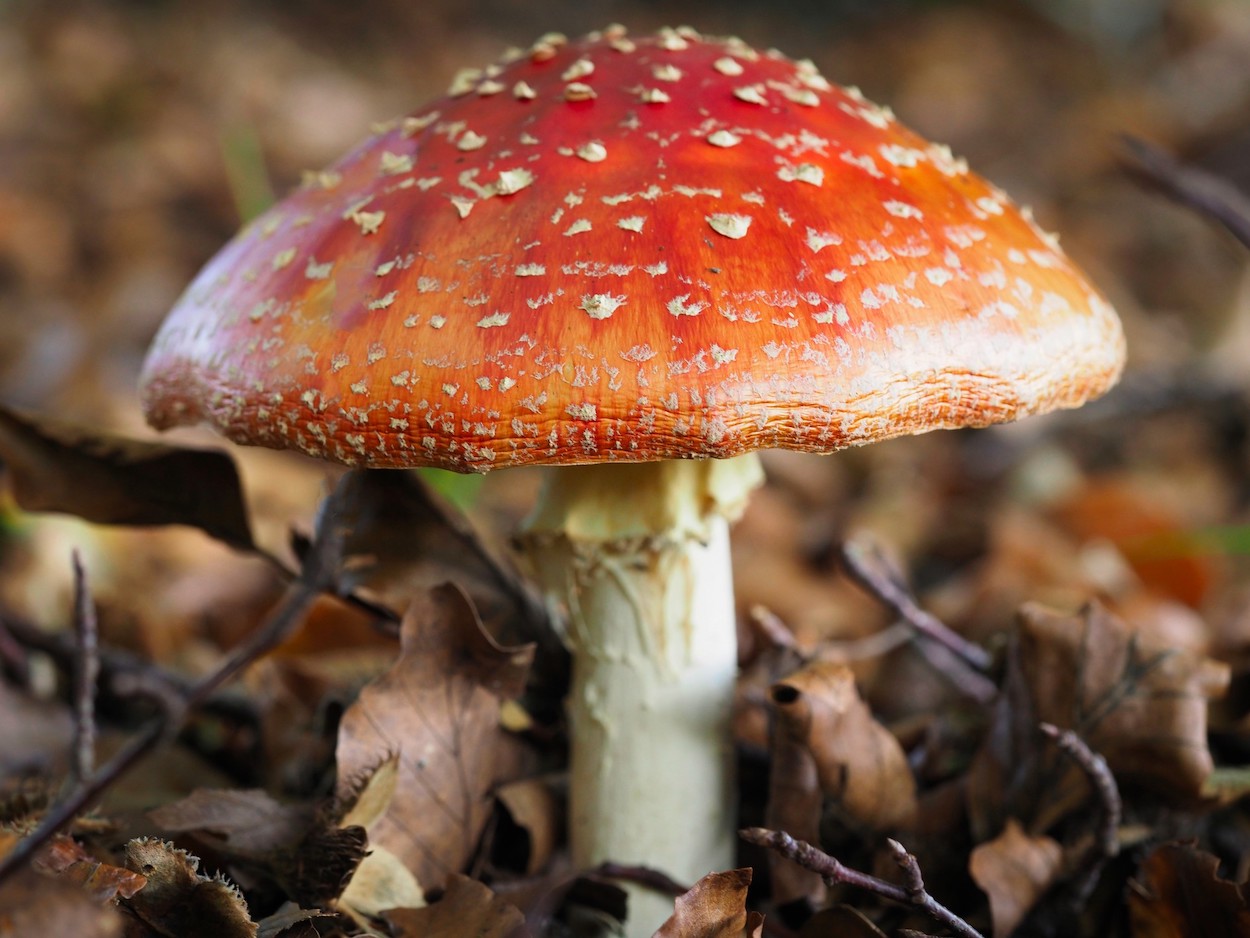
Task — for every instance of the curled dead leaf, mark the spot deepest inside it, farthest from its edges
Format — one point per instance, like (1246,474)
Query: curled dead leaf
(1141,706)
(65,857)
(1014,870)
(714,907)
(466,908)
(177,901)
(437,709)
(113,480)
(858,761)
(1179,894)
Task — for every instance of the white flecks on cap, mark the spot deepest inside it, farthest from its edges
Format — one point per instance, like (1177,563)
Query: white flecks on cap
(464,81)
(496,318)
(582,224)
(809,173)
(671,40)
(470,141)
(585,411)
(751,94)
(315,271)
(578,91)
(579,69)
(621,44)
(902,209)
(463,206)
(679,305)
(283,258)
(530,270)
(593,152)
(384,301)
(666,72)
(392,164)
(368,222)
(490,87)
(512,181)
(723,138)
(522,91)
(412,125)
(729,224)
(631,222)
(437,322)
(819,240)
(728,66)
(653,96)
(898,155)
(321,179)
(601,305)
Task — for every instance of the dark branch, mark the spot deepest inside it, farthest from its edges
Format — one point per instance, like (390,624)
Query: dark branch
(964,661)
(1201,191)
(86,674)
(835,874)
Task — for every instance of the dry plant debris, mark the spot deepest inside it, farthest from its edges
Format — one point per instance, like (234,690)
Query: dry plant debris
(205,733)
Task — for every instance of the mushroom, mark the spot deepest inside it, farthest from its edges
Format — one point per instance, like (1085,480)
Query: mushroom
(636,260)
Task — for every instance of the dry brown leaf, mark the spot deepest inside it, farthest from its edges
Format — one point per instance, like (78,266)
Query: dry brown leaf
(35,905)
(538,813)
(1178,894)
(1142,707)
(714,907)
(104,882)
(177,901)
(858,761)
(438,709)
(466,909)
(290,844)
(114,480)
(413,541)
(1014,870)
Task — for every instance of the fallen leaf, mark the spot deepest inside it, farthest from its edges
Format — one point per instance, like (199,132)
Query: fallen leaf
(538,815)
(114,480)
(104,882)
(438,710)
(714,907)
(291,921)
(32,904)
(1178,894)
(411,540)
(178,902)
(858,762)
(382,880)
(294,845)
(1141,706)
(467,908)
(1014,870)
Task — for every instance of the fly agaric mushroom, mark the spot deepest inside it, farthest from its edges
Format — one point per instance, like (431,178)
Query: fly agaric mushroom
(636,260)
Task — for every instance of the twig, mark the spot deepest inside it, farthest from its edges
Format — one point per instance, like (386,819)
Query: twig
(652,879)
(86,674)
(834,873)
(1204,192)
(966,661)
(1106,843)
(319,574)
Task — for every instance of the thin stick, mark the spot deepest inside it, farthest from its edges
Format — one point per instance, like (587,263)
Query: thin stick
(86,674)
(1106,844)
(834,873)
(175,710)
(964,662)
(1204,192)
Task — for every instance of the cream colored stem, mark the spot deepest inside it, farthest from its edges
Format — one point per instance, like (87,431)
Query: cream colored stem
(639,553)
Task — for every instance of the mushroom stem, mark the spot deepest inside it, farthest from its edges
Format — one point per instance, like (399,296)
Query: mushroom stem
(639,553)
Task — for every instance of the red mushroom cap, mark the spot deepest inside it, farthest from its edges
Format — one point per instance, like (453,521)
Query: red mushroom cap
(631,249)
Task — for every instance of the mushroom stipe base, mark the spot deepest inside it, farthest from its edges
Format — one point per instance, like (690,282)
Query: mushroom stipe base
(639,555)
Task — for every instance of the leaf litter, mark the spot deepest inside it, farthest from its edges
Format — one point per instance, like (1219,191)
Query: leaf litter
(366,786)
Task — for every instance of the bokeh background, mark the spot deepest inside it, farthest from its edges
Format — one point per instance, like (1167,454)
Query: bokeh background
(135,136)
